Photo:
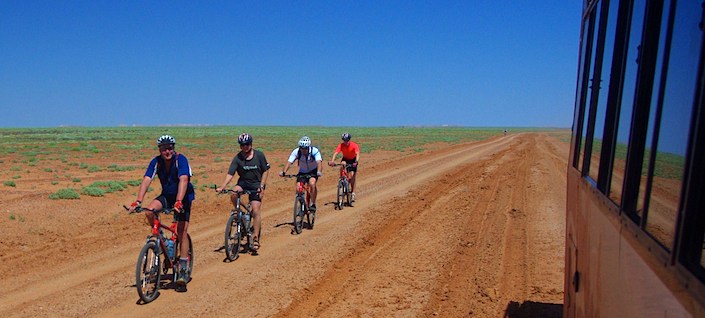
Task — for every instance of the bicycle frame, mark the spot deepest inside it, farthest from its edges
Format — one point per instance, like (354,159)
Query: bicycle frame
(344,172)
(302,187)
(159,235)
(149,268)
(238,225)
(302,202)
(343,187)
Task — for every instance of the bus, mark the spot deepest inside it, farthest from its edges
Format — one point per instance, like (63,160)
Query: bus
(635,213)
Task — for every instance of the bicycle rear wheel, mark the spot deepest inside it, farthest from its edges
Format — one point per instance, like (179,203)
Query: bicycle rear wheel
(147,272)
(233,235)
(340,194)
(299,209)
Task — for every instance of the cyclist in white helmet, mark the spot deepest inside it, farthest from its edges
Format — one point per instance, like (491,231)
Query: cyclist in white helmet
(309,158)
(174,174)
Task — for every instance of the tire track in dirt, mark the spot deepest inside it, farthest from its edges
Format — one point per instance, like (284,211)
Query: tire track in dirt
(490,274)
(398,259)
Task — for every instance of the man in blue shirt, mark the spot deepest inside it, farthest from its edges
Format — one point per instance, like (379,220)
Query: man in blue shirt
(174,174)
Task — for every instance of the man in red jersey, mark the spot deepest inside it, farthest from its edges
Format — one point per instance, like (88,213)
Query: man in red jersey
(351,156)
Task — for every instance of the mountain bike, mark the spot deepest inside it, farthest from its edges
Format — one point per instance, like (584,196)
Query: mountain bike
(239,230)
(344,193)
(302,200)
(158,255)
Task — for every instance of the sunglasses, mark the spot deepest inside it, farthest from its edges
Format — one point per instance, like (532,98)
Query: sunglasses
(166,148)
(243,145)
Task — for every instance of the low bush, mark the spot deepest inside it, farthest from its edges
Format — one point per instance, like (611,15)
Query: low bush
(65,194)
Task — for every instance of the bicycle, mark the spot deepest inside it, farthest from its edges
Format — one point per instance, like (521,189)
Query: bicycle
(302,202)
(239,230)
(158,255)
(344,193)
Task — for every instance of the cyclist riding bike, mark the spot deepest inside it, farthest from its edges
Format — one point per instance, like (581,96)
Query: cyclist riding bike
(253,169)
(174,174)
(309,158)
(351,156)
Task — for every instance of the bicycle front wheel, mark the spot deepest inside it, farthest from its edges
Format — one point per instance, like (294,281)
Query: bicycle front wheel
(299,209)
(147,272)
(233,235)
(340,194)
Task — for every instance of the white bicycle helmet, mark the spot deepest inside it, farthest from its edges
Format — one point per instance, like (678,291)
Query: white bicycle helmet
(166,140)
(346,137)
(304,141)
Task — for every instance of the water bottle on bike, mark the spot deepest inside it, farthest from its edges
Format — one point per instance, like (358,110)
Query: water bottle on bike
(246,220)
(170,248)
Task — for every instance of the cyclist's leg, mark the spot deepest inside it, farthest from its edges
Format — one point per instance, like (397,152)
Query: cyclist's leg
(313,189)
(233,197)
(182,224)
(256,221)
(352,175)
(156,204)
(182,231)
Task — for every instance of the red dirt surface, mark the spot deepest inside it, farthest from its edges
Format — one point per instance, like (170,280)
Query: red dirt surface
(473,229)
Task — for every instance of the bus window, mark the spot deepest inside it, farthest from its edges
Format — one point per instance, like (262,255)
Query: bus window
(597,114)
(592,84)
(626,108)
(604,85)
(678,99)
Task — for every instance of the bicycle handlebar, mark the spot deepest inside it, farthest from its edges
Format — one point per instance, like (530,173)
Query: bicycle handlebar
(347,165)
(224,191)
(139,209)
(308,175)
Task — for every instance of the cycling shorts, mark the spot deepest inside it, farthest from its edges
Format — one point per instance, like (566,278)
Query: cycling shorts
(249,186)
(300,176)
(168,202)
(350,161)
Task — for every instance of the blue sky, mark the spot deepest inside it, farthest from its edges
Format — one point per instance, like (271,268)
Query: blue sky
(330,63)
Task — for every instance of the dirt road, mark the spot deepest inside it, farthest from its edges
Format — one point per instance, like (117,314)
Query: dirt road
(473,229)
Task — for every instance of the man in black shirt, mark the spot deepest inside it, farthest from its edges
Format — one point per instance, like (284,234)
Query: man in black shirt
(252,167)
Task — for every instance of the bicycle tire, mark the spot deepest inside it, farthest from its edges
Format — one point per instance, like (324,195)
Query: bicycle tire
(233,236)
(299,209)
(339,197)
(147,272)
(348,196)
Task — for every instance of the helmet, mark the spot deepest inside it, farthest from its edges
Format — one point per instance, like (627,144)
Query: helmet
(346,136)
(304,141)
(166,140)
(244,139)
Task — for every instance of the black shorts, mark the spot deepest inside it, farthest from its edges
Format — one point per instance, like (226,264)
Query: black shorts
(300,176)
(168,202)
(250,186)
(350,161)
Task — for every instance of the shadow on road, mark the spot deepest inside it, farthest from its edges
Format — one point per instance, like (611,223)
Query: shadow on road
(533,309)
